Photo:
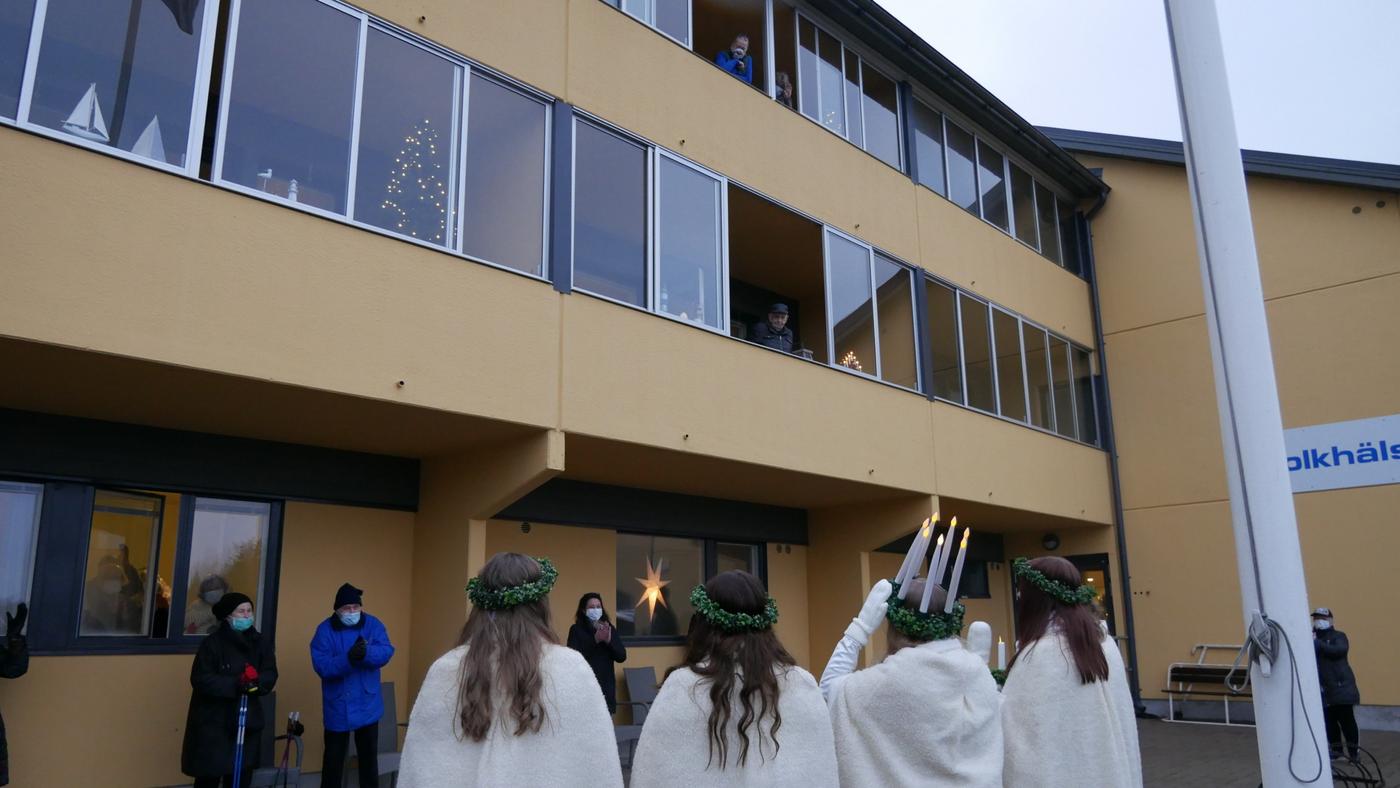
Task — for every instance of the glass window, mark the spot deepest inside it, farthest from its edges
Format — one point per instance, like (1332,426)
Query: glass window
(852,309)
(610,215)
(881,116)
(1038,377)
(689,243)
(503,221)
(928,147)
(1049,224)
(943,328)
(406,174)
(962,168)
(123,546)
(1069,250)
(654,578)
(1059,370)
(990,180)
(228,552)
(1011,386)
(808,96)
(290,106)
(731,556)
(856,132)
(15,19)
(1084,396)
(830,81)
(673,19)
(20,505)
(977,353)
(899,357)
(120,74)
(1023,206)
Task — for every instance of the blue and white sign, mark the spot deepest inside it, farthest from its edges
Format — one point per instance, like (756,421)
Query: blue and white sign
(1362,453)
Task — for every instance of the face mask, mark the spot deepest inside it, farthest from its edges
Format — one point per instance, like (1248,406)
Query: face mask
(1322,625)
(350,619)
(241,624)
(112,586)
(212,597)
(594,613)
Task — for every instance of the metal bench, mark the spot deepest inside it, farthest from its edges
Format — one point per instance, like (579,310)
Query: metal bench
(1205,679)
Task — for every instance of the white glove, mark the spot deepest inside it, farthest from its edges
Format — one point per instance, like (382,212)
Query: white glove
(871,613)
(979,639)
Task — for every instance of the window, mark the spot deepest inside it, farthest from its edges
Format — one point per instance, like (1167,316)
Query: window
(610,215)
(991,184)
(977,354)
(855,122)
(837,89)
(671,17)
(1060,374)
(116,75)
(290,100)
(894,300)
(690,243)
(1038,377)
(16,17)
(655,575)
(852,308)
(928,147)
(507,141)
(962,167)
(20,505)
(943,330)
(1084,396)
(775,257)
(1048,221)
(229,548)
(1011,387)
(1069,249)
(120,590)
(1023,206)
(881,113)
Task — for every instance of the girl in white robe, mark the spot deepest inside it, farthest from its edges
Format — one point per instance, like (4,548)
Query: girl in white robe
(739,712)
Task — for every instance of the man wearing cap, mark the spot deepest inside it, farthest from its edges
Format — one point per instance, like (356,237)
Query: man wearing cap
(774,332)
(1339,692)
(347,652)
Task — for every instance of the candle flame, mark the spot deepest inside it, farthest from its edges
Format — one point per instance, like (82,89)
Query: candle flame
(1000,641)
(940,540)
(926,529)
(954,524)
(966,534)
(935,518)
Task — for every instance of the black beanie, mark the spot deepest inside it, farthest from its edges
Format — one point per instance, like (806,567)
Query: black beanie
(347,595)
(228,603)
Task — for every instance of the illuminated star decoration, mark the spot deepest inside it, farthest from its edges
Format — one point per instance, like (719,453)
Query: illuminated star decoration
(651,587)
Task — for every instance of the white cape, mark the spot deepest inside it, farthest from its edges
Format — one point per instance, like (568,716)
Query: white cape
(1062,733)
(928,715)
(575,747)
(674,748)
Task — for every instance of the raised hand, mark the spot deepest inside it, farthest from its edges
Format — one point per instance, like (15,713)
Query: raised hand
(871,613)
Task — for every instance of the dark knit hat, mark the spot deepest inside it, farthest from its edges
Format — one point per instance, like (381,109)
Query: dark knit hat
(228,603)
(347,595)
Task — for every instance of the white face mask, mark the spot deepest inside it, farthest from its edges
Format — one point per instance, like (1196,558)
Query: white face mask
(212,596)
(1321,624)
(594,613)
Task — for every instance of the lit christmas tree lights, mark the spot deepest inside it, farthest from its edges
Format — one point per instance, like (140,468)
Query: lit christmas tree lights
(851,362)
(417,191)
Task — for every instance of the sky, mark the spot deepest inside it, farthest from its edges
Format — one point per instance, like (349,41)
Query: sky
(1311,77)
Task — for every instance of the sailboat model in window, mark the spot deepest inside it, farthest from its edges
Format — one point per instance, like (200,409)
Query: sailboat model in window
(86,119)
(150,144)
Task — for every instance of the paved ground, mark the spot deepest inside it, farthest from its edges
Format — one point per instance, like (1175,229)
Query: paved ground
(1182,754)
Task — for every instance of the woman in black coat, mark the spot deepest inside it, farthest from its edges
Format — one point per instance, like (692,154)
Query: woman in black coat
(593,636)
(233,661)
(14,662)
(1339,691)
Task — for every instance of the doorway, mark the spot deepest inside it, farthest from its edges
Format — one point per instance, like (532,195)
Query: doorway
(1094,568)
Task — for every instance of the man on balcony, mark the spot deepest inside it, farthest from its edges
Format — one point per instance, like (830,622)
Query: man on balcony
(774,332)
(737,60)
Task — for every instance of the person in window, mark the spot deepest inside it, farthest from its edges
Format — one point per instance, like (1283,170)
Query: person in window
(739,711)
(774,331)
(108,607)
(509,705)
(199,614)
(347,652)
(784,89)
(14,662)
(1339,692)
(593,636)
(233,662)
(737,60)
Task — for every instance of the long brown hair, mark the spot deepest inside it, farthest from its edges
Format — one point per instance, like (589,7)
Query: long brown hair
(503,651)
(724,659)
(1035,609)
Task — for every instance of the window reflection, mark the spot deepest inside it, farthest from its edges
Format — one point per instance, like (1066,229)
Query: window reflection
(505,202)
(962,168)
(1084,396)
(15,20)
(122,546)
(852,308)
(227,553)
(1023,205)
(1010,384)
(689,244)
(20,505)
(899,361)
(928,147)
(881,116)
(943,330)
(1038,377)
(654,578)
(1060,374)
(1049,224)
(977,353)
(990,180)
(610,215)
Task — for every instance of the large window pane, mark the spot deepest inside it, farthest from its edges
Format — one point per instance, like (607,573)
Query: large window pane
(228,552)
(830,79)
(1059,371)
(1023,206)
(292,101)
(928,147)
(610,215)
(730,556)
(1068,248)
(673,19)
(856,131)
(943,330)
(1038,377)
(20,505)
(119,74)
(654,578)
(852,309)
(962,168)
(505,182)
(1084,396)
(123,542)
(990,166)
(15,18)
(689,243)
(808,96)
(1011,386)
(406,175)
(977,352)
(881,116)
(1049,224)
(899,358)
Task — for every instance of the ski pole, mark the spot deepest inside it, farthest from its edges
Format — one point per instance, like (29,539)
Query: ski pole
(238,746)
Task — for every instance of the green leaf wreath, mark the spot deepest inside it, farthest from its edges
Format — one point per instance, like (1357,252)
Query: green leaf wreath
(1083,595)
(922,627)
(504,598)
(733,622)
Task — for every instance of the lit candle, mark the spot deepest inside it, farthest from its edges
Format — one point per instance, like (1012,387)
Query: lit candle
(1001,654)
(909,554)
(929,583)
(915,556)
(917,565)
(937,572)
(957,573)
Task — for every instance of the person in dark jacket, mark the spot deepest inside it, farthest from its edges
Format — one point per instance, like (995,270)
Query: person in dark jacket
(233,661)
(1339,692)
(14,662)
(593,636)
(737,60)
(347,652)
(774,332)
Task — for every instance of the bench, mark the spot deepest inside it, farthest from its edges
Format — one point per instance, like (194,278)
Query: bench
(1205,679)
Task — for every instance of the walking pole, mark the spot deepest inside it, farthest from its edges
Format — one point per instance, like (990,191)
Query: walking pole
(238,745)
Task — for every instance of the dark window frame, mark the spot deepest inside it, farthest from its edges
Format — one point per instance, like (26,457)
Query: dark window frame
(709,565)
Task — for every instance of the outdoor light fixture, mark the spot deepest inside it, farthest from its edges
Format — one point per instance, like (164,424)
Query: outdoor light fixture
(1050,542)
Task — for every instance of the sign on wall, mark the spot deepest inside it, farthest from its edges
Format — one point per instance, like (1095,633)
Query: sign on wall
(1361,453)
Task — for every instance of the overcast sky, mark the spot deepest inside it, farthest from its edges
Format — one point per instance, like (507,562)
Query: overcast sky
(1315,77)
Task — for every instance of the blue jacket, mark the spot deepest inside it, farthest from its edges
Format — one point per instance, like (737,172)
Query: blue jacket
(350,697)
(728,62)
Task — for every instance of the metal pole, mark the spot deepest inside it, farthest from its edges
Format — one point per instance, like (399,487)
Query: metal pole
(1287,700)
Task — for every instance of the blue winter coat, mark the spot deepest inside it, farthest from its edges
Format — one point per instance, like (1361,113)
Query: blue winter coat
(350,697)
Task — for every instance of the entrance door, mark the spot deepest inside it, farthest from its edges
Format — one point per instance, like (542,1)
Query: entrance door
(1094,567)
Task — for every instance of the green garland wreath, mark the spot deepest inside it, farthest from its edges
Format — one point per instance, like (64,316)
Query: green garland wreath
(999,676)
(923,627)
(504,598)
(1084,595)
(733,622)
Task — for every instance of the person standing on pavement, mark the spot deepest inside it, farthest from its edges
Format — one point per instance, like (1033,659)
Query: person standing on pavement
(1339,692)
(593,636)
(347,652)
